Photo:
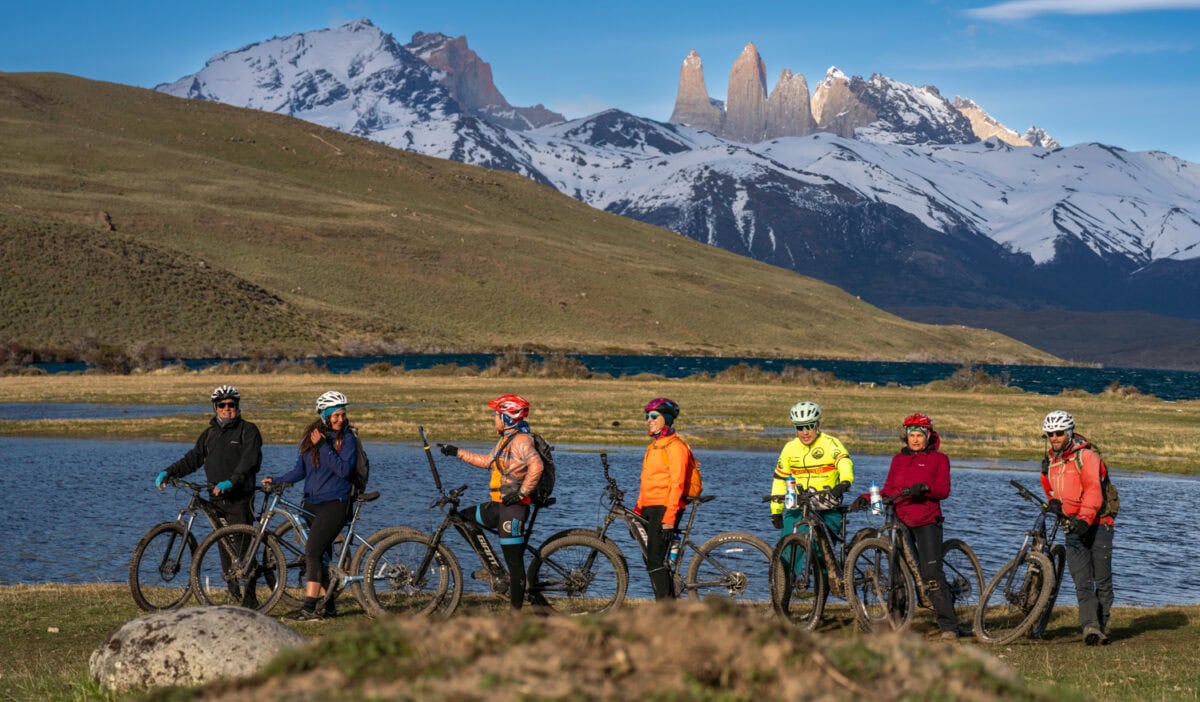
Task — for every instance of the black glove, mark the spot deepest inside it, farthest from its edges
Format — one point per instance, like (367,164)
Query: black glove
(777,521)
(1054,507)
(510,493)
(918,489)
(860,503)
(1078,526)
(448,449)
(840,489)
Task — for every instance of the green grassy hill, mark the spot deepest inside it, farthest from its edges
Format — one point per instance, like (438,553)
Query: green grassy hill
(142,220)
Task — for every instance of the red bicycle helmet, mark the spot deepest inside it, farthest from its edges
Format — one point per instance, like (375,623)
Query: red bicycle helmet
(918,421)
(514,407)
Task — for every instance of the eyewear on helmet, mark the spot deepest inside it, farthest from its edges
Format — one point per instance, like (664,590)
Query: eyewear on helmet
(807,427)
(1059,432)
(650,416)
(226,404)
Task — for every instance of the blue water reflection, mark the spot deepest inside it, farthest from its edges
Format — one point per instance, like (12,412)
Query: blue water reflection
(76,508)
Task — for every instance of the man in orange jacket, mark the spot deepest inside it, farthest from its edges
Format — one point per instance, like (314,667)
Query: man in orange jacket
(1072,476)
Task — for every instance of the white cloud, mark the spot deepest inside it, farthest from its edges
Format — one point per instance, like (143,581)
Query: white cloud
(1024,9)
(1070,53)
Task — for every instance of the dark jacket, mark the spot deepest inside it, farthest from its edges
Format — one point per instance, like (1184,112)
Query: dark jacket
(232,452)
(330,480)
(929,466)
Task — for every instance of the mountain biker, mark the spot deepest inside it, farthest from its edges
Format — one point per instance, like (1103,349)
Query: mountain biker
(328,453)
(818,462)
(920,474)
(661,494)
(516,467)
(1072,474)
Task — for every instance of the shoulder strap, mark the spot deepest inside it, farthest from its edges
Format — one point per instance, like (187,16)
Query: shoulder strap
(500,449)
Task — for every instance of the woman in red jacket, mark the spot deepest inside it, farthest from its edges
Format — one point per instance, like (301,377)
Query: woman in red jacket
(920,478)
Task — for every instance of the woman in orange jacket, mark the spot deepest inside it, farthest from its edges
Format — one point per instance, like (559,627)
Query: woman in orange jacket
(661,496)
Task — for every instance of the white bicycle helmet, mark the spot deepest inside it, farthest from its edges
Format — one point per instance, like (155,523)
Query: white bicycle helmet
(1058,420)
(333,398)
(805,413)
(225,392)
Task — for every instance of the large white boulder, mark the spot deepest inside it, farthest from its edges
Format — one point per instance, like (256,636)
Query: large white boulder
(189,647)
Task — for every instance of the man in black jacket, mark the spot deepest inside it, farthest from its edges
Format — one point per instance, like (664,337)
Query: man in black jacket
(230,450)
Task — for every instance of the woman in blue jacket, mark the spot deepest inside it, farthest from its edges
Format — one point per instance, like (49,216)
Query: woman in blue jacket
(328,452)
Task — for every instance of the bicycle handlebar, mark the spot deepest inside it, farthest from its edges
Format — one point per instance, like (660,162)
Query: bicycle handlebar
(451,498)
(195,487)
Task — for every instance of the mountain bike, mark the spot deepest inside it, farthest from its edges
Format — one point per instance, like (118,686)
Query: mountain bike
(248,564)
(733,564)
(166,550)
(419,574)
(1020,598)
(802,576)
(884,580)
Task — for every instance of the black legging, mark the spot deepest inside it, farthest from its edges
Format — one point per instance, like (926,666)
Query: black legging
(508,521)
(928,540)
(658,541)
(327,521)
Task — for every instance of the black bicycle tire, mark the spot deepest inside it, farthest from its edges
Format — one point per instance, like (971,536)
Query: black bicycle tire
(743,572)
(393,560)
(964,595)
(577,580)
(783,588)
(271,559)
(1032,612)
(853,596)
(362,552)
(182,567)
(587,532)
(1058,561)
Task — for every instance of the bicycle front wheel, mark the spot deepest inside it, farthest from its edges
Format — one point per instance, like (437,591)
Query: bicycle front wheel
(358,562)
(577,573)
(881,590)
(964,576)
(395,582)
(159,577)
(800,586)
(225,572)
(1014,599)
(735,565)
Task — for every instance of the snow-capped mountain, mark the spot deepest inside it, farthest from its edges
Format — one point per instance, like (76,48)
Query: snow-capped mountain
(887,215)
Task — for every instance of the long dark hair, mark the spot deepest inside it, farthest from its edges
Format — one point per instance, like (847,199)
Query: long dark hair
(307,445)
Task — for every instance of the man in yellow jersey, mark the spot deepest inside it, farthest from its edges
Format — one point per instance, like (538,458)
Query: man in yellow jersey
(816,461)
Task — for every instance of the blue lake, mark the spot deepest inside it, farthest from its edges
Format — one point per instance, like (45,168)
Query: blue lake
(1166,384)
(76,508)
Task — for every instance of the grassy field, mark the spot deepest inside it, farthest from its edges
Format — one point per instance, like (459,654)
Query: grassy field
(53,629)
(138,223)
(607,411)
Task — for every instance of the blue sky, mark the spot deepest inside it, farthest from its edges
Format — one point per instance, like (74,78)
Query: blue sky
(1121,72)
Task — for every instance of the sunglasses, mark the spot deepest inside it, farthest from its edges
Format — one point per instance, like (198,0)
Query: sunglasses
(226,405)
(652,415)
(806,427)
(1056,433)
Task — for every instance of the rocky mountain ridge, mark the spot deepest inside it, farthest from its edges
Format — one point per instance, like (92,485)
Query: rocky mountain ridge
(877,109)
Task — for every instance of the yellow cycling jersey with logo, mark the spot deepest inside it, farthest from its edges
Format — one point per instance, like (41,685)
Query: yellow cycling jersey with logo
(822,464)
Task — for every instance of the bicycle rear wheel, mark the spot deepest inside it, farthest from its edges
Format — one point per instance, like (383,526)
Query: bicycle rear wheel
(223,573)
(735,565)
(159,577)
(881,591)
(799,590)
(964,576)
(577,573)
(1014,599)
(395,583)
(358,562)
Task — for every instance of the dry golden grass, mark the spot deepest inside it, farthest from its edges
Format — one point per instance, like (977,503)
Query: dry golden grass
(608,412)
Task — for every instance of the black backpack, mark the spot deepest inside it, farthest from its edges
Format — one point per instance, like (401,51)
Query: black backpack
(362,468)
(545,486)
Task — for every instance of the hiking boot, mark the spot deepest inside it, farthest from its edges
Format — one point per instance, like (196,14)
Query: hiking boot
(250,601)
(1092,636)
(304,615)
(1104,640)
(329,611)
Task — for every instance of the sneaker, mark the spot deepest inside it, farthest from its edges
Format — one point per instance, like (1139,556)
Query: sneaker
(304,615)
(1092,636)
(329,611)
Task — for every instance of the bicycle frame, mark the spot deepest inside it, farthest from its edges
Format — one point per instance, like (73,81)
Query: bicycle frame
(826,542)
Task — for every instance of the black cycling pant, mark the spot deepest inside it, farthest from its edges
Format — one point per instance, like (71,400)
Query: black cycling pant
(323,527)
(509,522)
(658,543)
(235,512)
(928,540)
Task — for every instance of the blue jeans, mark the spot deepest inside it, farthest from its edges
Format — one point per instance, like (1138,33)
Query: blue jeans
(1089,558)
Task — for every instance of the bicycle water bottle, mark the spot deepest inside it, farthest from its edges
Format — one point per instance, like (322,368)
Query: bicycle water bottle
(876,499)
(676,545)
(790,499)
